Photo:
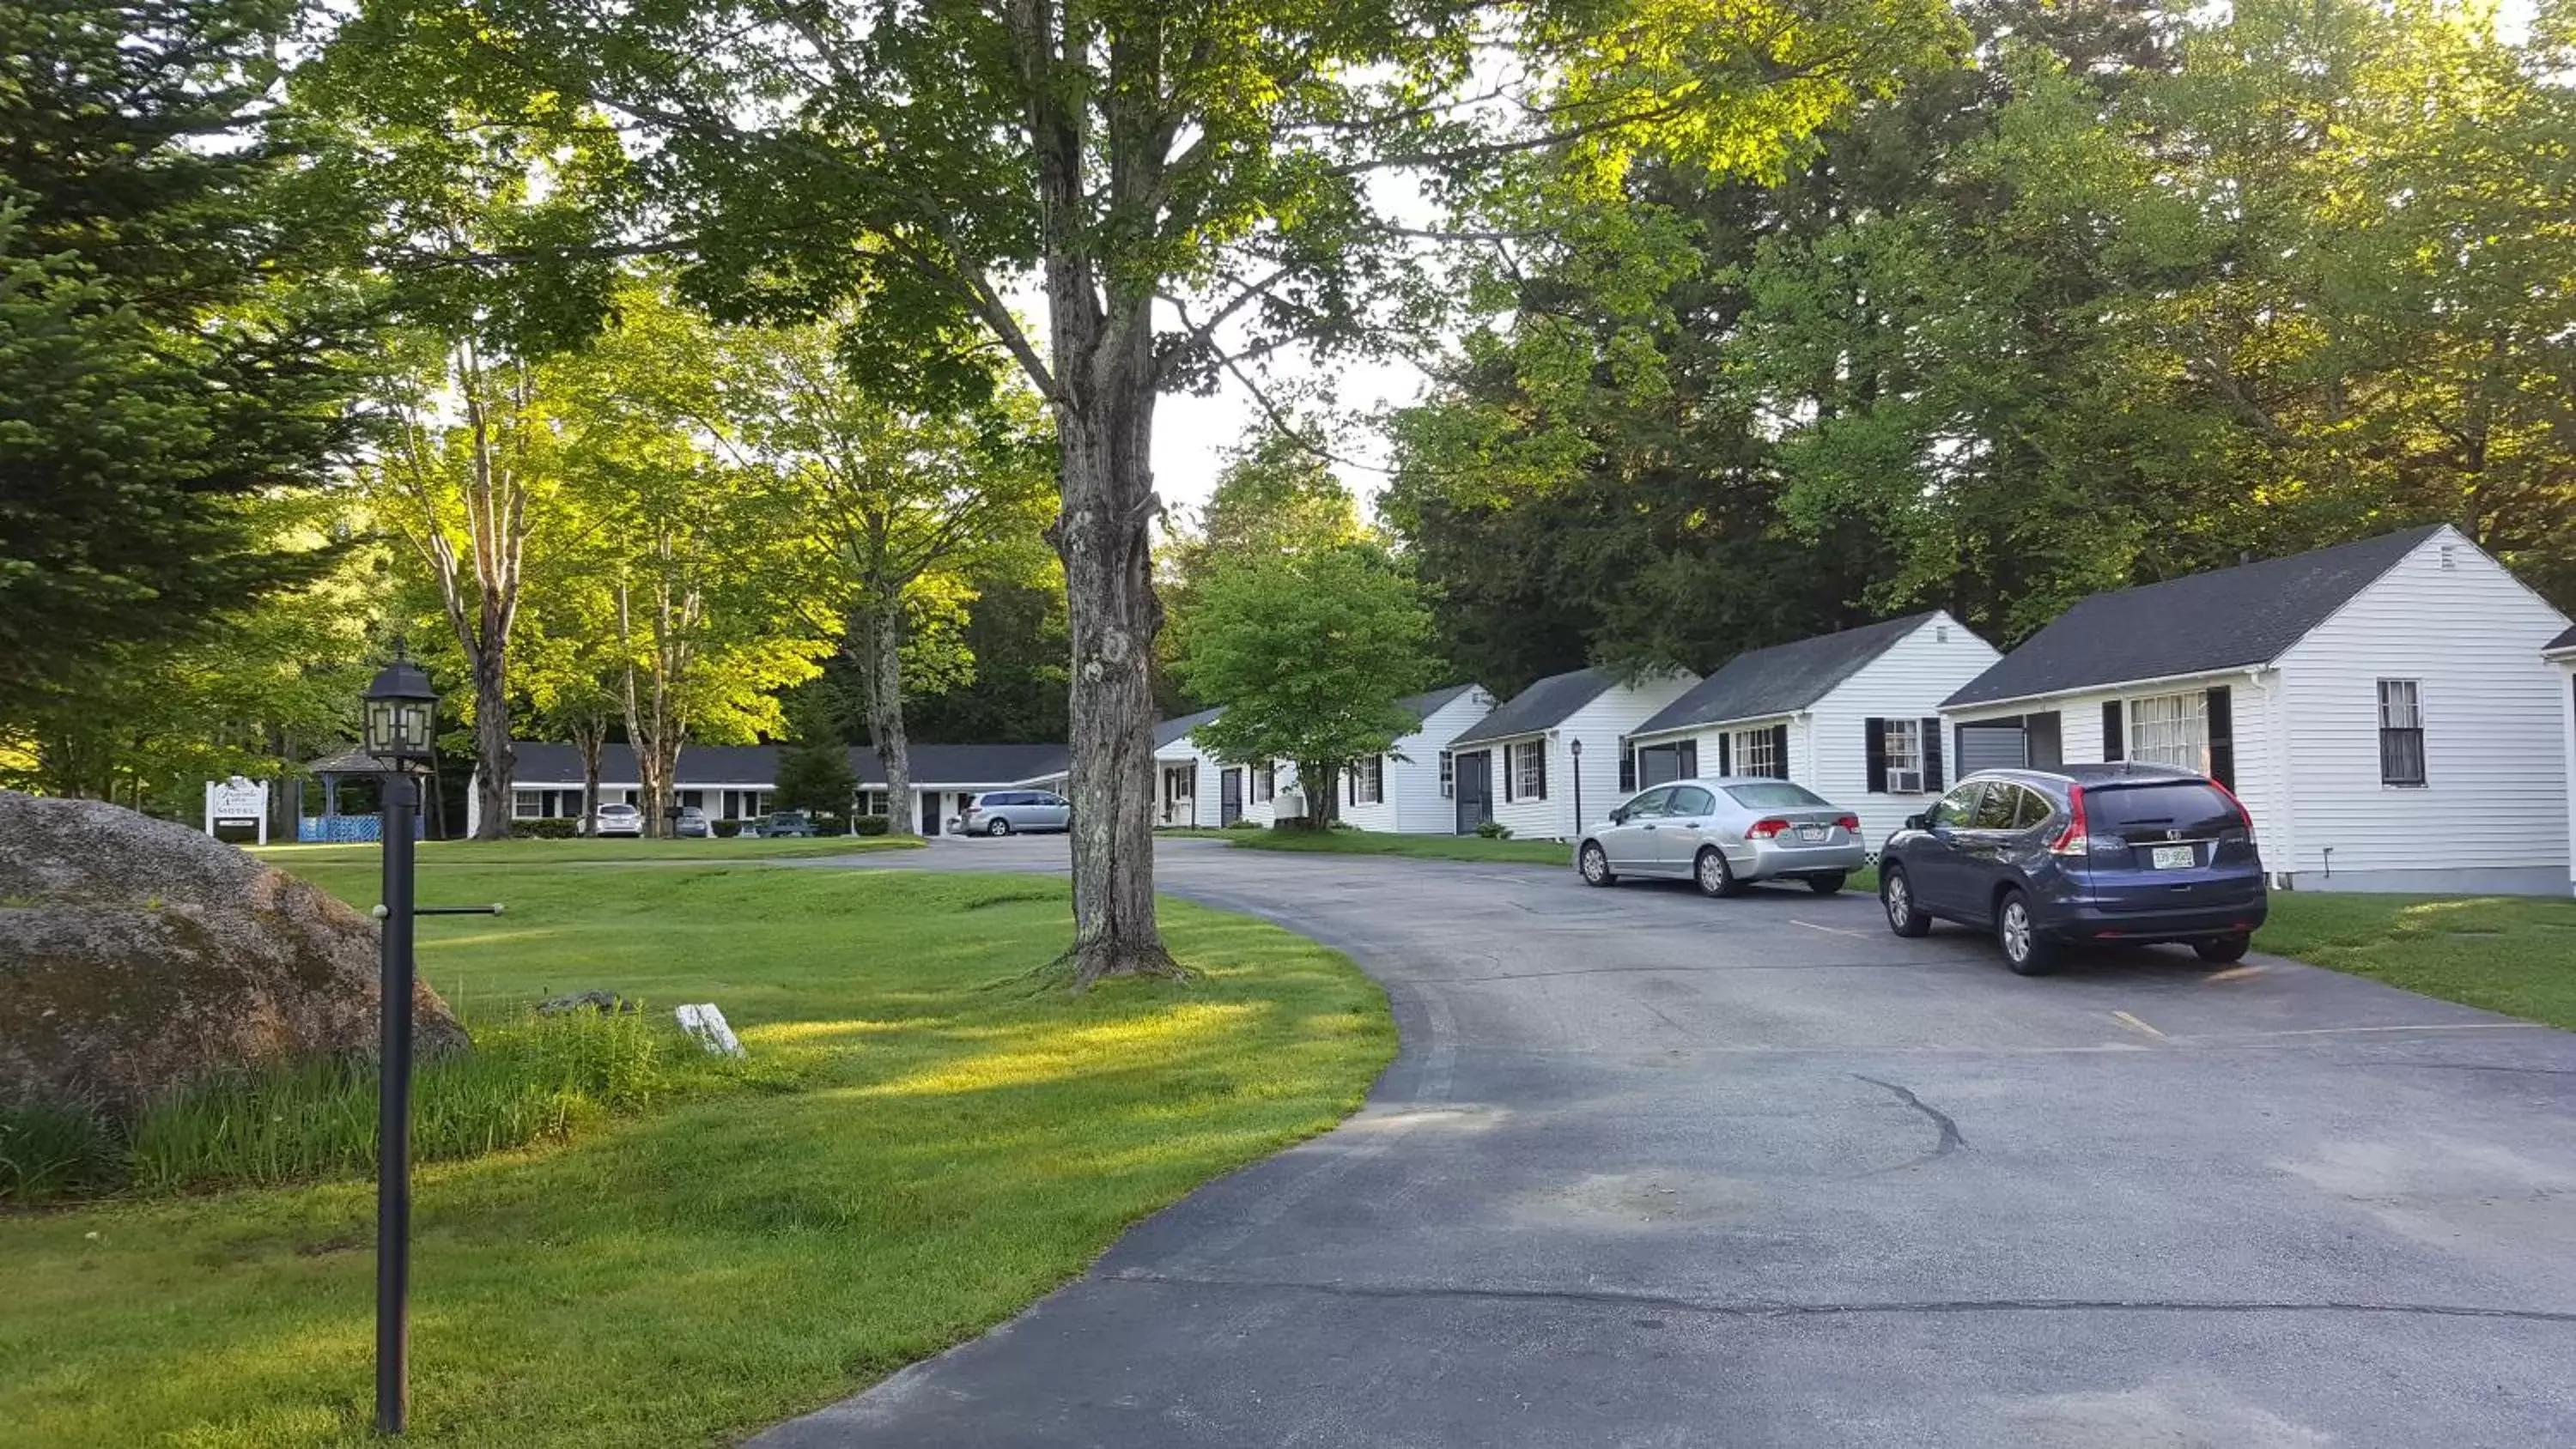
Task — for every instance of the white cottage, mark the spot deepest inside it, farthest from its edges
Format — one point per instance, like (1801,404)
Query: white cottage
(1411,789)
(2382,708)
(1553,751)
(2562,652)
(1853,716)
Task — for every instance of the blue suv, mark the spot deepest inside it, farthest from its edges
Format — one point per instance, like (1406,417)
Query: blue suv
(2044,858)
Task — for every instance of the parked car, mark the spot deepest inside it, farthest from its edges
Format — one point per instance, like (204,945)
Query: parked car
(619,820)
(1725,833)
(783,823)
(2045,858)
(690,823)
(1000,812)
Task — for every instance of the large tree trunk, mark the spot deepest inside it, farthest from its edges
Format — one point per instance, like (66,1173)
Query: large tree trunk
(879,655)
(590,736)
(1324,795)
(492,746)
(1109,505)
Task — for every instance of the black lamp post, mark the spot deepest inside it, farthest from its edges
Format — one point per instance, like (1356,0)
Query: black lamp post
(401,730)
(1575,748)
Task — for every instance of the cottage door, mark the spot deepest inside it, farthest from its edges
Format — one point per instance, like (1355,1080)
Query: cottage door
(1474,782)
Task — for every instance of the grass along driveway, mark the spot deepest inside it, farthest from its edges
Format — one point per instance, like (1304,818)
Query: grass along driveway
(944,1149)
(312,859)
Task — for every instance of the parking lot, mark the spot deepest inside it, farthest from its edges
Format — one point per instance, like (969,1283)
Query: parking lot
(1660,1169)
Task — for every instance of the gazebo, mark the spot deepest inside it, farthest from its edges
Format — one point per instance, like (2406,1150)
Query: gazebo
(352,763)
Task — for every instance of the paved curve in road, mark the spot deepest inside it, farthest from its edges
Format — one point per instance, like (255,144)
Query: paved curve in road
(1654,1169)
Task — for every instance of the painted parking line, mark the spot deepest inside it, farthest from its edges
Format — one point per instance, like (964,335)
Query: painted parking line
(2236,973)
(1835,930)
(2131,1022)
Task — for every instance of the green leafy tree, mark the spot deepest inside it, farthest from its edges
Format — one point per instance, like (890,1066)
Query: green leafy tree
(910,499)
(165,351)
(1310,653)
(1190,188)
(814,766)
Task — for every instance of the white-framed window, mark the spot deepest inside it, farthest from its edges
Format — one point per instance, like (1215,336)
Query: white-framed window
(2170,729)
(2401,732)
(1265,782)
(527,804)
(872,802)
(1528,774)
(1757,753)
(1448,775)
(1902,739)
(1368,781)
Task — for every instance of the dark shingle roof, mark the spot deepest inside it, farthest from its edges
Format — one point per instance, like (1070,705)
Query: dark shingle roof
(1424,706)
(1782,678)
(704,766)
(1172,731)
(2198,624)
(1542,706)
(2563,641)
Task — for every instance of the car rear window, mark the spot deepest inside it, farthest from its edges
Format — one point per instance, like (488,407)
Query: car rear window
(2192,808)
(1774,795)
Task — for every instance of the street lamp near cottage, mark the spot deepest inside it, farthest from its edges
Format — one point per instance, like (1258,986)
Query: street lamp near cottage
(400,723)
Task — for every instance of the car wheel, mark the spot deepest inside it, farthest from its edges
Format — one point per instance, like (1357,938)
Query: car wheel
(1594,862)
(997,826)
(2224,949)
(1896,893)
(2026,951)
(1824,885)
(1715,876)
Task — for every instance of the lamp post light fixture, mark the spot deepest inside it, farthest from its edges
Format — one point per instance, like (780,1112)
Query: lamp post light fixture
(1575,748)
(401,729)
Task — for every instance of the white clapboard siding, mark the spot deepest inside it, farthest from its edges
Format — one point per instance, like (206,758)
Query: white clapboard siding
(1412,801)
(2496,780)
(1908,680)
(1600,724)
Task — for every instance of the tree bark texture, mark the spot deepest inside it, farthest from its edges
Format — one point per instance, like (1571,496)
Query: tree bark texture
(877,650)
(590,736)
(656,725)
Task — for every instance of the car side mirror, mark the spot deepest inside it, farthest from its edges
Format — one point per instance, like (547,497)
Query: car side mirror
(1918,822)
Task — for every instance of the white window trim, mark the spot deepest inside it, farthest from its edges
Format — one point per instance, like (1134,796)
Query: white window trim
(1368,781)
(2182,720)
(2413,704)
(1527,750)
(1906,778)
(527,804)
(1448,776)
(1740,750)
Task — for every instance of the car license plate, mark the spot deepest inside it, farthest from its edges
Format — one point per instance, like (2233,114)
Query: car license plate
(2176,857)
(1811,833)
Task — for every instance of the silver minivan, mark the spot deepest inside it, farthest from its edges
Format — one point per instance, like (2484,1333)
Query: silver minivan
(1723,833)
(1001,812)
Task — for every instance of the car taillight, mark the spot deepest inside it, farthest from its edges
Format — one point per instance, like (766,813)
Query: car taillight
(2072,840)
(1766,829)
(2243,815)
(1850,823)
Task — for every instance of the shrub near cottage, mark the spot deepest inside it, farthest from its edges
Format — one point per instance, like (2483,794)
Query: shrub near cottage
(870,825)
(562,827)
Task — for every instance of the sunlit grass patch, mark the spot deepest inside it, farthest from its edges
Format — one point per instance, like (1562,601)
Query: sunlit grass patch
(2514,954)
(932,1155)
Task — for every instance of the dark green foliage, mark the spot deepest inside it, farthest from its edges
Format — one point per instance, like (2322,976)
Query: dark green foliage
(163,353)
(561,827)
(1492,830)
(814,771)
(56,1149)
(1015,632)
(725,829)
(869,825)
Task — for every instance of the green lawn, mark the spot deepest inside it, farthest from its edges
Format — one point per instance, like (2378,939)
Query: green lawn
(2514,954)
(305,858)
(943,1148)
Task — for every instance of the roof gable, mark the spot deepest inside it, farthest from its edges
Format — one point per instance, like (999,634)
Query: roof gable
(1783,678)
(1173,731)
(1542,706)
(2198,624)
(1423,706)
(2562,643)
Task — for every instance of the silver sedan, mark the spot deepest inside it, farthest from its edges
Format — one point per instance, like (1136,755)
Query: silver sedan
(1725,833)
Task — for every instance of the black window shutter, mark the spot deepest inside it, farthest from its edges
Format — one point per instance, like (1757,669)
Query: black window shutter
(1628,762)
(2222,736)
(1780,751)
(1541,747)
(1874,750)
(1725,750)
(1687,754)
(1933,779)
(2112,747)
(2043,747)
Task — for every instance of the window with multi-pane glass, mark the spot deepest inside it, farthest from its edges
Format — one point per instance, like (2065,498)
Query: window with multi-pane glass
(2401,732)
(2170,729)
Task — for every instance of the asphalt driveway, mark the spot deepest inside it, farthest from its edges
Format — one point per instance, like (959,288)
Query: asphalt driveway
(1660,1170)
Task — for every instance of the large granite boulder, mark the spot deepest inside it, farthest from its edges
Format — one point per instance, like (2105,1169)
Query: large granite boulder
(136,954)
